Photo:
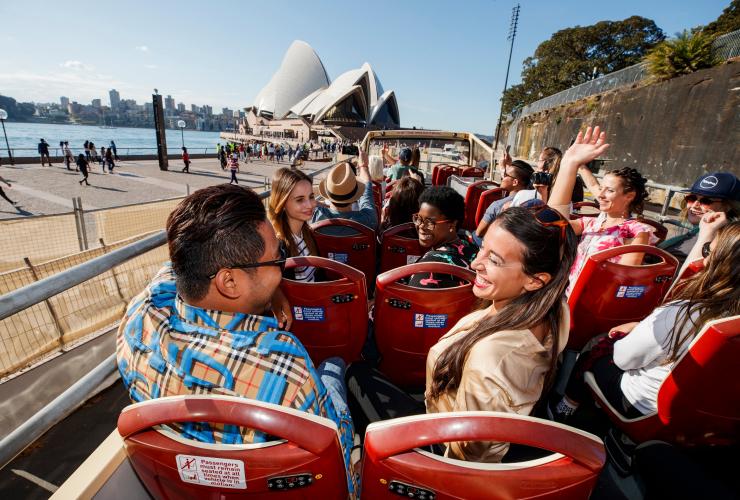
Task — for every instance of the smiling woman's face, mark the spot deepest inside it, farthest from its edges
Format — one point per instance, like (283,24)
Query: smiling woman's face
(442,231)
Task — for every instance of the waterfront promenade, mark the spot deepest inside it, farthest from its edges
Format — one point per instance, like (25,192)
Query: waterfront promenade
(50,190)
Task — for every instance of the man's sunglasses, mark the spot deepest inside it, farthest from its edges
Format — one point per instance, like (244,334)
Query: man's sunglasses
(692,198)
(277,262)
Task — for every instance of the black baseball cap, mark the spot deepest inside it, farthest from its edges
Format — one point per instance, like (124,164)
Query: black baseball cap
(405,154)
(717,185)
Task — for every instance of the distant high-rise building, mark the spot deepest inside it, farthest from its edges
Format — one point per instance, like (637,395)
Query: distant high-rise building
(181,107)
(169,103)
(194,108)
(64,101)
(115,99)
(207,110)
(96,103)
(227,112)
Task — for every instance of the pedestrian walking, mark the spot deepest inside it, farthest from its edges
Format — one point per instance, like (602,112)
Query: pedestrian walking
(2,193)
(102,158)
(109,160)
(43,148)
(86,146)
(186,160)
(234,167)
(222,157)
(115,151)
(82,164)
(93,151)
(68,156)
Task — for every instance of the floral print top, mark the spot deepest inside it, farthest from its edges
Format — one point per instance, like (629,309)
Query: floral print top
(594,239)
(460,252)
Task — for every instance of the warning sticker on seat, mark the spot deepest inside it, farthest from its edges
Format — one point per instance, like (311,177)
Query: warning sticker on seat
(309,313)
(209,471)
(630,292)
(339,257)
(430,320)
(411,259)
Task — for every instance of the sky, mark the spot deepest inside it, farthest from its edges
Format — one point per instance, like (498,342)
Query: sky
(446,61)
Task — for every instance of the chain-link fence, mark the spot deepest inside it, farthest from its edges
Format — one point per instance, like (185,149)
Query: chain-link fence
(725,46)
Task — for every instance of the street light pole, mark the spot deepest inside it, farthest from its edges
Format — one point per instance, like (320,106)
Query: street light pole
(512,35)
(3,117)
(181,124)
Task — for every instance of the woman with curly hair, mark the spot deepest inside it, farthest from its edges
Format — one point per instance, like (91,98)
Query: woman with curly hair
(620,194)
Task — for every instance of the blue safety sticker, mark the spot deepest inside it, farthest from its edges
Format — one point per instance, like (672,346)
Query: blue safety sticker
(309,313)
(422,320)
(630,292)
(339,257)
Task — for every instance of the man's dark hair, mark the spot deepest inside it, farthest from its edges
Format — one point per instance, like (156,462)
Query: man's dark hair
(213,228)
(522,171)
(447,201)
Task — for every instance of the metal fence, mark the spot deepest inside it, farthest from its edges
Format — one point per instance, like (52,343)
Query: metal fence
(50,246)
(56,152)
(725,46)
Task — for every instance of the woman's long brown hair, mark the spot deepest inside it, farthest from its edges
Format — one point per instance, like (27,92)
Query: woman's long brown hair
(283,182)
(543,253)
(710,294)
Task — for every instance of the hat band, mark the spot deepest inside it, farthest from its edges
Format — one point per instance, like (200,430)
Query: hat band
(340,197)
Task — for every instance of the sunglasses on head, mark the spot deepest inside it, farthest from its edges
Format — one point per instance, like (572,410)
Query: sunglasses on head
(549,217)
(706,249)
(277,262)
(692,198)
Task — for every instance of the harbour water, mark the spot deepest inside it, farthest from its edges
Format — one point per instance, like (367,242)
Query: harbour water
(24,137)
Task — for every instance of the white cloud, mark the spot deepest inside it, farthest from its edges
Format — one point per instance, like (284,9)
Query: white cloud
(77,65)
(150,66)
(142,48)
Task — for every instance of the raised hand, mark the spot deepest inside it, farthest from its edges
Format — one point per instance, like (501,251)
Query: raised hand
(588,146)
(710,223)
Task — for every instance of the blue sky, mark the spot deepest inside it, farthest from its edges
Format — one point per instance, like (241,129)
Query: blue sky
(445,60)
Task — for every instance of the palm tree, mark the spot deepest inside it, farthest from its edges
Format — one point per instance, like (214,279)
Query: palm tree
(686,53)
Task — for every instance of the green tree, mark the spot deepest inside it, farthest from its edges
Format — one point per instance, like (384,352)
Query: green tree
(688,52)
(728,21)
(575,55)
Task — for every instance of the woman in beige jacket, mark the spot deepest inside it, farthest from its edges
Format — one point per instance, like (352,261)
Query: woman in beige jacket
(503,357)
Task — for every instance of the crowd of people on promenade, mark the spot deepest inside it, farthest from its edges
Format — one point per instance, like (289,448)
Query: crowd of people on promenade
(228,258)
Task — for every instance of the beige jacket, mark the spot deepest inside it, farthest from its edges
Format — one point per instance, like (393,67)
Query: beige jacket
(504,372)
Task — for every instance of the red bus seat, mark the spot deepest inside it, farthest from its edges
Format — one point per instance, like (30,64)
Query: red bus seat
(399,246)
(394,464)
(577,213)
(356,250)
(698,402)
(607,294)
(472,198)
(661,232)
(435,172)
(410,320)
(329,317)
(445,173)
(473,172)
(485,200)
(304,461)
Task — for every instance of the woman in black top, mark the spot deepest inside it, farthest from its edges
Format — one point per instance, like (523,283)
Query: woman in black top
(82,165)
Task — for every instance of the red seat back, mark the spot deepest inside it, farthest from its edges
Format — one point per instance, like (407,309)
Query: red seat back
(445,173)
(356,250)
(698,401)
(607,294)
(435,172)
(307,446)
(394,464)
(409,320)
(329,317)
(472,197)
(485,200)
(399,246)
(661,232)
(472,172)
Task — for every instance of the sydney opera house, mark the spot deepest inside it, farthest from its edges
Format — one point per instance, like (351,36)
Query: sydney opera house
(301,103)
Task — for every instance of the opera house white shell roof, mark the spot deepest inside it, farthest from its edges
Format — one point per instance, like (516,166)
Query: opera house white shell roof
(301,87)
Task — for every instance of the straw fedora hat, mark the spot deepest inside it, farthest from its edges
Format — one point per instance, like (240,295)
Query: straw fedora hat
(341,185)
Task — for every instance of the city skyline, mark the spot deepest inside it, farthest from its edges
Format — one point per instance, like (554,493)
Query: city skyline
(440,58)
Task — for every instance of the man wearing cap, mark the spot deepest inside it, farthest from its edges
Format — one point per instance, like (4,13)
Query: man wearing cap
(43,148)
(341,189)
(714,192)
(403,167)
